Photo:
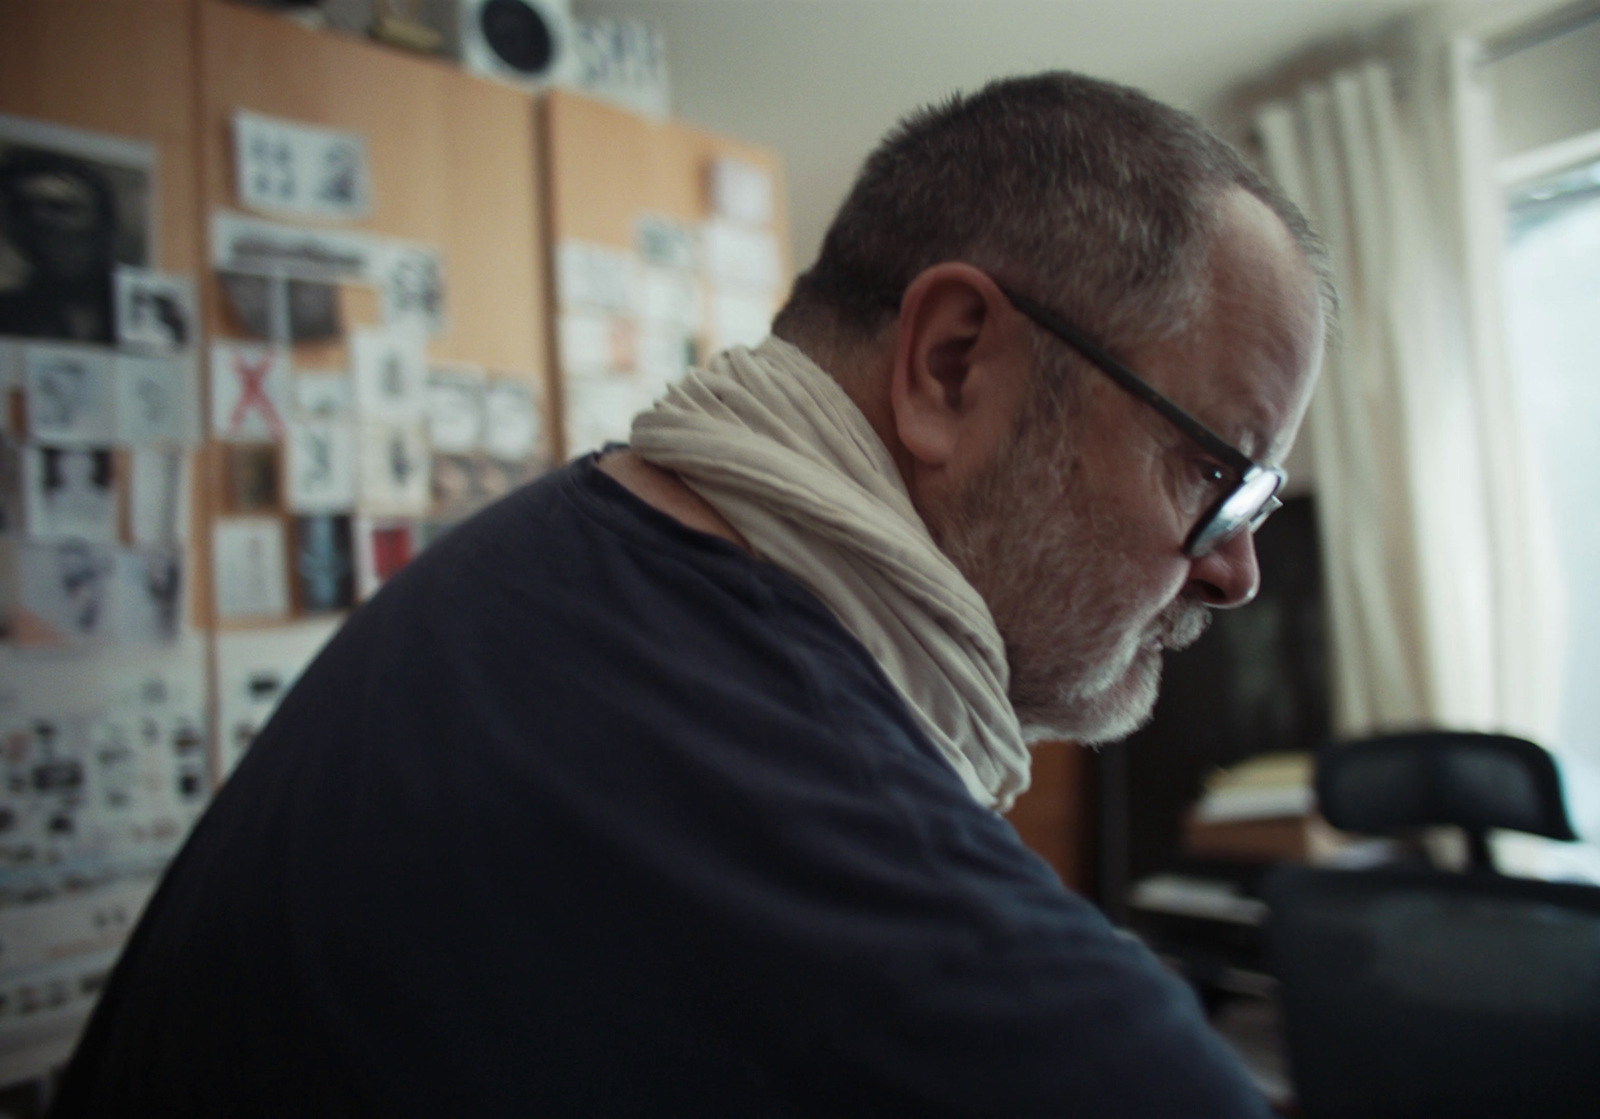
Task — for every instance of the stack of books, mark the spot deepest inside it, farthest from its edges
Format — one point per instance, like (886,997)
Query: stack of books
(1261,810)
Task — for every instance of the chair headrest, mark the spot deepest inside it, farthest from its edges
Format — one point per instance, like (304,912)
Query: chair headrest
(1474,781)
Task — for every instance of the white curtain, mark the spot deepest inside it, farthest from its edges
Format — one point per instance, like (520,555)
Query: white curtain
(1443,596)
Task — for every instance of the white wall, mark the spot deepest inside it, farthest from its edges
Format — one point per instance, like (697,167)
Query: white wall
(822,80)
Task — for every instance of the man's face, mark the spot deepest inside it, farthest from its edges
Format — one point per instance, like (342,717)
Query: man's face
(1073,532)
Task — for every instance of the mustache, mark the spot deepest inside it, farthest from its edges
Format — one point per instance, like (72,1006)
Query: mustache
(1182,624)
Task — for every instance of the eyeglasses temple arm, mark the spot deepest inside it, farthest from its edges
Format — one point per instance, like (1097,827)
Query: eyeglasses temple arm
(1130,382)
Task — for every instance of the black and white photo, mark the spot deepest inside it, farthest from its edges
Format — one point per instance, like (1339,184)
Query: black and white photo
(63,592)
(70,395)
(324,563)
(73,206)
(154,310)
(69,493)
(299,169)
(320,466)
(156,400)
(147,596)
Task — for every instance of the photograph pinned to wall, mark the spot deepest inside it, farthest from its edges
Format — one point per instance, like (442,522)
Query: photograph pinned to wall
(265,248)
(597,344)
(320,466)
(63,592)
(255,670)
(512,431)
(158,496)
(394,469)
(69,493)
(743,257)
(249,391)
(599,411)
(147,596)
(311,307)
(157,400)
(322,395)
(324,563)
(670,298)
(154,310)
(595,276)
(456,483)
(390,367)
(75,205)
(666,352)
(498,477)
(71,399)
(411,279)
(740,191)
(666,243)
(455,408)
(383,547)
(300,169)
(250,478)
(250,576)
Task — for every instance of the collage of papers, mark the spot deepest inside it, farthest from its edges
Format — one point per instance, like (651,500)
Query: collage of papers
(310,446)
(631,321)
(102,404)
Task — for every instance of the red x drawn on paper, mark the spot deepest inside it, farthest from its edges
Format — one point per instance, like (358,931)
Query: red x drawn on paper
(252,377)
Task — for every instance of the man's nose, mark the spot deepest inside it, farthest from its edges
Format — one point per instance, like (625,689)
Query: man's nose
(1228,576)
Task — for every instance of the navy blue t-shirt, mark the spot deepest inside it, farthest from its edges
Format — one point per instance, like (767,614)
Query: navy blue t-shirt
(591,814)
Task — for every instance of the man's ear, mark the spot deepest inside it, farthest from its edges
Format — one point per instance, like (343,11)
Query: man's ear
(960,363)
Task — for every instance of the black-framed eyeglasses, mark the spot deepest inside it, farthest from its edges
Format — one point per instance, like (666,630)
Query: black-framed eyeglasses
(1253,497)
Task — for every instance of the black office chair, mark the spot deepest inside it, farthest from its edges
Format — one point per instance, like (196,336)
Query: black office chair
(1417,992)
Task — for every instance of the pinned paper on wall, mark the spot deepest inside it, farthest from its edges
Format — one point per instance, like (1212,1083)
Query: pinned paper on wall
(739,318)
(320,466)
(249,391)
(738,255)
(147,596)
(455,408)
(69,493)
(293,168)
(600,411)
(594,276)
(322,395)
(741,191)
(64,592)
(255,670)
(511,429)
(669,298)
(154,310)
(411,279)
(594,343)
(248,561)
(250,478)
(456,486)
(157,400)
(394,464)
(70,395)
(384,546)
(391,375)
(324,563)
(158,497)
(665,242)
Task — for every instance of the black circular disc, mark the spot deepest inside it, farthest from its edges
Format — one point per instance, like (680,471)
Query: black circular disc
(518,35)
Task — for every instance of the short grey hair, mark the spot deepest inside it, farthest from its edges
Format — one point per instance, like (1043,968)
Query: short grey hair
(1087,195)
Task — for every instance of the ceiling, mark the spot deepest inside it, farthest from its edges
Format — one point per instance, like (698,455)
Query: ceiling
(822,80)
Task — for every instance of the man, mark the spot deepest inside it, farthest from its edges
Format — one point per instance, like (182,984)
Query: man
(666,786)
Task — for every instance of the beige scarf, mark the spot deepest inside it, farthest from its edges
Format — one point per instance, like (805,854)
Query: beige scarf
(772,443)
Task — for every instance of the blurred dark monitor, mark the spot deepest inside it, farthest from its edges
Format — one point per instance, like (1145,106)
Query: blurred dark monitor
(1256,683)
